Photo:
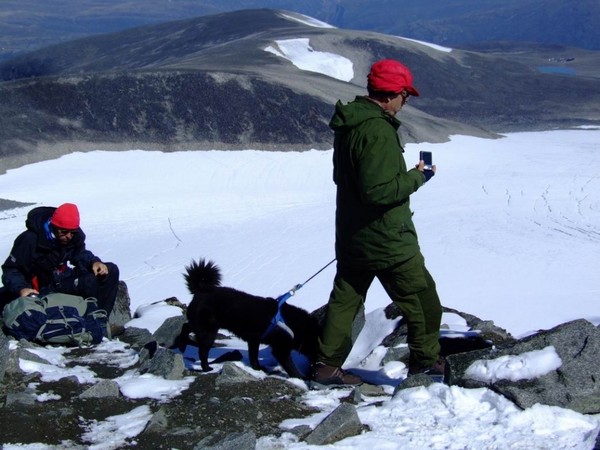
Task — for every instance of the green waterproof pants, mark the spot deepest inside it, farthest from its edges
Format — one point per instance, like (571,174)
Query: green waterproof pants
(410,287)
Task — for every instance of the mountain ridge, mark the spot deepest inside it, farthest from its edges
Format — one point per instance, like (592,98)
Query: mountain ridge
(31,24)
(199,83)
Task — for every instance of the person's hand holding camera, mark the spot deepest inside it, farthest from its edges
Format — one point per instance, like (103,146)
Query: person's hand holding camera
(427,173)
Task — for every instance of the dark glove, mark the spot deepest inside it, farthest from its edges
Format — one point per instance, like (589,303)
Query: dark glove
(428,174)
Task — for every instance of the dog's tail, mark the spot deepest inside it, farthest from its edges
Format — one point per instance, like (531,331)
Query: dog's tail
(202,276)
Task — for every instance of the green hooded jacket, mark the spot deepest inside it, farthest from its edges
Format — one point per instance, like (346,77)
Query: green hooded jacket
(374,227)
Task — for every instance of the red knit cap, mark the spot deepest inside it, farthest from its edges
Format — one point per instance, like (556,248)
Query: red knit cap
(66,217)
(388,75)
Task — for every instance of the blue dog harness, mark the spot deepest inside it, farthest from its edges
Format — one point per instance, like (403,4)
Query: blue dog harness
(277,320)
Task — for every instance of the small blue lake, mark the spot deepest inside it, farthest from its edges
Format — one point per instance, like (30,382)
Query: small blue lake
(559,70)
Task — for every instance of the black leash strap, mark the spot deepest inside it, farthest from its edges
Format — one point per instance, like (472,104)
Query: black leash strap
(317,273)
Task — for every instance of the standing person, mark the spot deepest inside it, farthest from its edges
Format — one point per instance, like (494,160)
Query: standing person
(375,234)
(50,256)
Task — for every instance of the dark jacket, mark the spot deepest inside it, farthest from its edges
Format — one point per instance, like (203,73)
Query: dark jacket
(374,227)
(36,253)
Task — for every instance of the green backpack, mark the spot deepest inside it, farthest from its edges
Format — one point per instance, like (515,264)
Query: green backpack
(56,319)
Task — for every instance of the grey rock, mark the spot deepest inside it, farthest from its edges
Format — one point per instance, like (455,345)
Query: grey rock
(359,323)
(343,422)
(13,369)
(159,422)
(222,441)
(136,337)
(164,363)
(370,390)
(492,332)
(574,385)
(102,389)
(70,379)
(483,334)
(167,333)
(4,354)
(355,396)
(27,344)
(301,431)
(489,331)
(174,301)
(6,205)
(31,377)
(396,354)
(121,313)
(23,353)
(23,398)
(231,373)
(417,380)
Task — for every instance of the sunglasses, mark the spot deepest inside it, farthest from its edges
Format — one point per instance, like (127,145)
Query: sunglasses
(404,95)
(64,232)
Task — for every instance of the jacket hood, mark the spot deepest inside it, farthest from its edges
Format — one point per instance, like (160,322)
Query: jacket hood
(37,217)
(351,115)
(36,220)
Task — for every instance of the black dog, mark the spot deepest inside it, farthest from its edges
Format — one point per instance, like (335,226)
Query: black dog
(247,316)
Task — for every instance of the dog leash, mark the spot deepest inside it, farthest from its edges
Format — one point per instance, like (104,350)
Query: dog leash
(317,273)
(277,320)
(288,294)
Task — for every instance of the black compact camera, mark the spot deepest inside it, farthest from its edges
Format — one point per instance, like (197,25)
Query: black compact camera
(427,159)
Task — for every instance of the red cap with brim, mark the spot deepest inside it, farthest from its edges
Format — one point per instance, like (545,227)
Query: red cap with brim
(66,217)
(388,75)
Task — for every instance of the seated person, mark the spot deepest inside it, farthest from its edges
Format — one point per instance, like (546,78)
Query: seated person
(50,256)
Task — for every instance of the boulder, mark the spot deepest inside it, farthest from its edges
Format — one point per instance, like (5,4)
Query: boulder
(573,384)
(343,422)
(220,440)
(102,389)
(121,313)
(233,374)
(166,335)
(163,363)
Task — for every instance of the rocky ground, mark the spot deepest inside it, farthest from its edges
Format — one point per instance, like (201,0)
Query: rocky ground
(207,410)
(233,408)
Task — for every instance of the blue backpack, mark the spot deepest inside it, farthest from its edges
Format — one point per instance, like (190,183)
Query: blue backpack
(56,319)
